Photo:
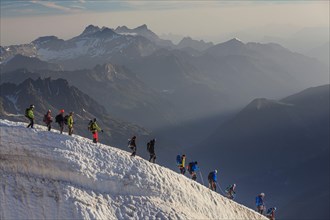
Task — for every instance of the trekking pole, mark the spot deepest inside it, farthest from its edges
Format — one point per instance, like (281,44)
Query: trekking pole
(200,173)
(220,189)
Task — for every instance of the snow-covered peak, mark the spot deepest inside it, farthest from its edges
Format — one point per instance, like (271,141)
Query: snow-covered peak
(140,30)
(95,32)
(48,175)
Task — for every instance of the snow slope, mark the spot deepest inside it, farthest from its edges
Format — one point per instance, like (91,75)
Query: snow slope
(45,175)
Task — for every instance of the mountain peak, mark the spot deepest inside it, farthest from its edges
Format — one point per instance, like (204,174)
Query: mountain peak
(90,29)
(142,27)
(263,103)
(125,29)
(96,31)
(122,29)
(234,41)
(140,30)
(231,47)
(45,39)
(106,32)
(200,45)
(187,39)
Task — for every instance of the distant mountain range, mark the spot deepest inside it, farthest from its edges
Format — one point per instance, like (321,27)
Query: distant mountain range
(278,146)
(93,46)
(174,83)
(122,93)
(58,94)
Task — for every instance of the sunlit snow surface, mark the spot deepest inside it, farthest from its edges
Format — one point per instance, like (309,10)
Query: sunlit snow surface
(46,175)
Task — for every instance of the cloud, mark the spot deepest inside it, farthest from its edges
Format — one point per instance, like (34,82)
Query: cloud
(51,5)
(57,6)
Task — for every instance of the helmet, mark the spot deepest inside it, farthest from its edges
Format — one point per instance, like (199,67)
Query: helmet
(234,185)
(274,208)
(49,110)
(215,171)
(62,111)
(31,106)
(262,194)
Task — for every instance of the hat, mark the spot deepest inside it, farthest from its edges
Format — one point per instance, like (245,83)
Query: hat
(49,110)
(262,194)
(62,111)
(31,106)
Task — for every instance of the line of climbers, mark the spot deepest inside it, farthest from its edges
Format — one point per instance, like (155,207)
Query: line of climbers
(230,192)
(62,120)
(192,167)
(48,119)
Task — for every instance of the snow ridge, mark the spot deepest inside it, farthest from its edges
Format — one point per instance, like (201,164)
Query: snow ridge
(48,175)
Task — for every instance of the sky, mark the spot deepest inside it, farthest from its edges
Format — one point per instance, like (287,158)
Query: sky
(24,21)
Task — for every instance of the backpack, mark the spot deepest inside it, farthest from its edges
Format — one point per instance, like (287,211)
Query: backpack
(27,112)
(269,211)
(130,144)
(190,166)
(210,176)
(57,119)
(66,119)
(90,126)
(259,201)
(178,160)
